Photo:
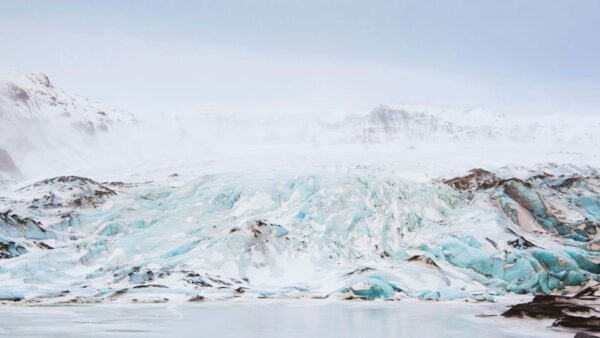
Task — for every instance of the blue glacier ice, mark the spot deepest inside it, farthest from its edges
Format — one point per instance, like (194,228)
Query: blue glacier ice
(356,233)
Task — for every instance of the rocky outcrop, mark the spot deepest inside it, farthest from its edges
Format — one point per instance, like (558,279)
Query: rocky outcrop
(10,249)
(578,312)
(19,235)
(476,179)
(564,205)
(44,125)
(67,191)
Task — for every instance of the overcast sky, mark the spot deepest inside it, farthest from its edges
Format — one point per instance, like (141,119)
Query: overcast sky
(315,56)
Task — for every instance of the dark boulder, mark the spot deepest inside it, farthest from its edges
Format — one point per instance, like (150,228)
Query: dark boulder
(578,311)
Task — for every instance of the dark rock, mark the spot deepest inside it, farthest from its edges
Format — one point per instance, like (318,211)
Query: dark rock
(10,249)
(261,223)
(118,293)
(578,311)
(541,310)
(425,260)
(41,79)
(218,281)
(589,291)
(141,277)
(520,243)
(81,191)
(150,286)
(569,182)
(475,180)
(196,279)
(196,299)
(589,323)
(23,225)
(358,271)
(43,245)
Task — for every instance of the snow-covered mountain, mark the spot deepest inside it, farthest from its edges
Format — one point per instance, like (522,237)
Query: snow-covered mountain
(399,124)
(45,131)
(425,124)
(42,124)
(32,97)
(102,205)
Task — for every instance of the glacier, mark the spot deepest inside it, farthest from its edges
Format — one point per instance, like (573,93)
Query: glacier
(352,233)
(100,205)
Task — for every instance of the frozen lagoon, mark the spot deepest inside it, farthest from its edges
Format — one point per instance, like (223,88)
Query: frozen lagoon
(272,318)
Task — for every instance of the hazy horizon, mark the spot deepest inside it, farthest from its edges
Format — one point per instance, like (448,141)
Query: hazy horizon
(311,57)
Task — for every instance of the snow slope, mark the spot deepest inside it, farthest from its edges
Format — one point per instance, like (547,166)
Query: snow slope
(48,132)
(43,126)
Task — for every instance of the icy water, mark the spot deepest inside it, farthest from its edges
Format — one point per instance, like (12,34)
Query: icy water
(269,319)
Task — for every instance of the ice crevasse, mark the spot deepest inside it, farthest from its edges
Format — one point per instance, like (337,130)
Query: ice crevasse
(357,233)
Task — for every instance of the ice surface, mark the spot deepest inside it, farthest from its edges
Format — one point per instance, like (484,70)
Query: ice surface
(270,319)
(354,233)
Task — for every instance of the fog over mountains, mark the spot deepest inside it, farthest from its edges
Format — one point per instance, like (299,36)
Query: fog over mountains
(102,205)
(45,130)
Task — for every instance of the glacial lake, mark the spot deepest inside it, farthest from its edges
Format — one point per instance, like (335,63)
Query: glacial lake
(271,318)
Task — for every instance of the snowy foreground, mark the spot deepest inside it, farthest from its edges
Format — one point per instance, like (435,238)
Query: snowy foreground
(268,318)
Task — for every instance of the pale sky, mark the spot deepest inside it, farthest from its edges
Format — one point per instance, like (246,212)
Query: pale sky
(313,56)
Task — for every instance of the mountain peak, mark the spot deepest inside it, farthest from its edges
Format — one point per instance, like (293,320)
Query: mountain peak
(40,78)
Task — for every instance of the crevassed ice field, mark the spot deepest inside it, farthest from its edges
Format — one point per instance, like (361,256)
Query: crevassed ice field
(411,202)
